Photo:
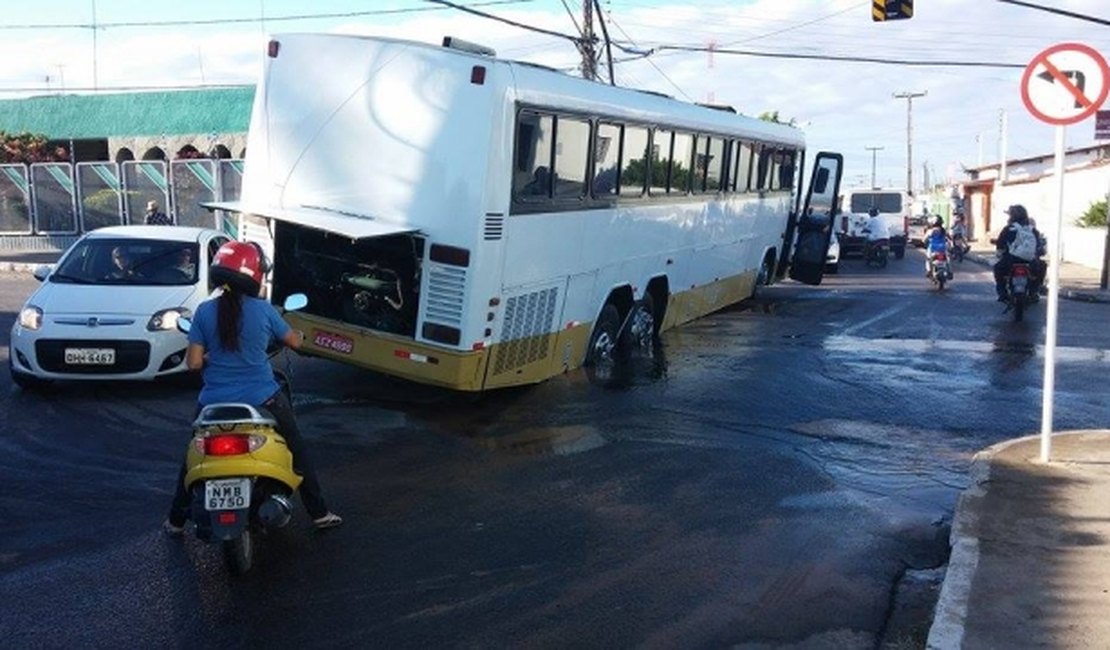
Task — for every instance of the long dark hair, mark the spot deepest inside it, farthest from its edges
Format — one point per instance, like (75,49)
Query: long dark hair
(229,318)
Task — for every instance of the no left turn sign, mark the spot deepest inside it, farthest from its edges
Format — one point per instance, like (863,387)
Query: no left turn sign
(1065,84)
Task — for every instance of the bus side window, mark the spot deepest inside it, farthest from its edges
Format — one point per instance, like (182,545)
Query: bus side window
(742,175)
(634,161)
(701,160)
(572,146)
(606,160)
(660,161)
(682,162)
(774,182)
(532,158)
(714,165)
(728,180)
(760,160)
(786,171)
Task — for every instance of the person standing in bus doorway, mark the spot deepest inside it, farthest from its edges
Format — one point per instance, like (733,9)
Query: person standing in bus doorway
(155,217)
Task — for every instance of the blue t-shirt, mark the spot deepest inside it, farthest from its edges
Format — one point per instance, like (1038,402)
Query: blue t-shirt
(936,241)
(245,375)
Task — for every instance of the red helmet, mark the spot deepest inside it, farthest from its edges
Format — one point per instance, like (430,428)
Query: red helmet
(240,265)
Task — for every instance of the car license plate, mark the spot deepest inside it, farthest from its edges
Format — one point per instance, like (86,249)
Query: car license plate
(90,356)
(227,494)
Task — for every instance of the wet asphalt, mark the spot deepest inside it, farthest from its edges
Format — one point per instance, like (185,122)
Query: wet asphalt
(773,478)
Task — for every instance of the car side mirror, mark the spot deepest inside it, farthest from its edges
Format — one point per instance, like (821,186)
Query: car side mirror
(42,271)
(184,324)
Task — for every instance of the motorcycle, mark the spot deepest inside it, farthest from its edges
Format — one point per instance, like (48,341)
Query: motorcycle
(960,247)
(239,471)
(939,269)
(876,252)
(1021,290)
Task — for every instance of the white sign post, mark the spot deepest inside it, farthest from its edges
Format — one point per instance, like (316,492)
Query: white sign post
(1062,85)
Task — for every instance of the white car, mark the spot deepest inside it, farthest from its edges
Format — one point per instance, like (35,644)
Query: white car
(832,258)
(109,308)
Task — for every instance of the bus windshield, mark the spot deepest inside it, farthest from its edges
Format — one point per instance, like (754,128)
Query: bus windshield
(862,202)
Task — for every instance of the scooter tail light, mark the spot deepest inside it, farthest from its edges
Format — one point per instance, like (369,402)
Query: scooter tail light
(1021,271)
(940,257)
(232,444)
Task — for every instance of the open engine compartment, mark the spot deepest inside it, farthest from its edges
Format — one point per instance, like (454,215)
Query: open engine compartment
(372,283)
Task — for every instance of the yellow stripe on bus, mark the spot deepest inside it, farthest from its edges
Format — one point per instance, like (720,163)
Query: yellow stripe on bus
(554,352)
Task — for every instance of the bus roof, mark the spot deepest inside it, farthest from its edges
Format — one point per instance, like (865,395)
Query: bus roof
(544,86)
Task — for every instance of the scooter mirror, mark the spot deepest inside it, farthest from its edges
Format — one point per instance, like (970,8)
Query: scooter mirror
(295,301)
(184,324)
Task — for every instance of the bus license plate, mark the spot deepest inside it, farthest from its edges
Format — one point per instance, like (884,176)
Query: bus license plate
(90,356)
(227,494)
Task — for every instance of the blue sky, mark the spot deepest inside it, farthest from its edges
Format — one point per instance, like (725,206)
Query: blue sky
(845,107)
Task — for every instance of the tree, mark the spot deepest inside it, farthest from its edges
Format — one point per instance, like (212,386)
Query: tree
(29,148)
(1095,216)
(773,116)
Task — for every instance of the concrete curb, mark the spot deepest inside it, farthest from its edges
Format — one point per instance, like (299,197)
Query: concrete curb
(950,615)
(18,267)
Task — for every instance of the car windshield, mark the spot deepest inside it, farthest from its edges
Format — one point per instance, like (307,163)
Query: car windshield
(147,262)
(890,202)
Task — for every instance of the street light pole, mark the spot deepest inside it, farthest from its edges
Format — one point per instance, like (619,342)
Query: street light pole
(909,97)
(874,186)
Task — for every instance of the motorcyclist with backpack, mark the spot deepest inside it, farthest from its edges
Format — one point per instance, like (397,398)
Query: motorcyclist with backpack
(1019,241)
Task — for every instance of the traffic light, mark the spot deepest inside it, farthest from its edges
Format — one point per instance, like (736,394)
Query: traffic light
(883,10)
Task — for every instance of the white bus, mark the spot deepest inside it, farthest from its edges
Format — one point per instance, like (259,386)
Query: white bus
(473,223)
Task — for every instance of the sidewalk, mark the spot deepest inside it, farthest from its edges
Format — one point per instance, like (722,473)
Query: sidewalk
(1077,282)
(1030,564)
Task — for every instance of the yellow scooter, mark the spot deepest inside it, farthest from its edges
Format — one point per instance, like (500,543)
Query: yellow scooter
(239,471)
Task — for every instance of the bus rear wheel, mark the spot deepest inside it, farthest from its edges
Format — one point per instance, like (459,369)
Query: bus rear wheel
(638,337)
(601,352)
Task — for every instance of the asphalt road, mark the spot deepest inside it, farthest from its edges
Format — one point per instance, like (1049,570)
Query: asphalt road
(777,478)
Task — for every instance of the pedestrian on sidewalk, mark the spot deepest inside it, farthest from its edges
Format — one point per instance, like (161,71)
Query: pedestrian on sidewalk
(155,217)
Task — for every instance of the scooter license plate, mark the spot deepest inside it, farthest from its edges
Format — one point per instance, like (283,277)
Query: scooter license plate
(227,494)
(1019,285)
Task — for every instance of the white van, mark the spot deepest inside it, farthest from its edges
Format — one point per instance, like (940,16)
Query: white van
(894,208)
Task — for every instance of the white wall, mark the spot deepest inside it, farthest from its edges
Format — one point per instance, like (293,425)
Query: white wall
(1081,188)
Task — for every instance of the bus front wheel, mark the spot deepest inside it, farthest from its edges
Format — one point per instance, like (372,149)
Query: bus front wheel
(601,352)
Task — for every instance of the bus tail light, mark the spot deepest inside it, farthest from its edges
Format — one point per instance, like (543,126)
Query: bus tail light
(272,48)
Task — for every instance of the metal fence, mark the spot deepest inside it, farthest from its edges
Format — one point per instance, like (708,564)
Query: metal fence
(67,199)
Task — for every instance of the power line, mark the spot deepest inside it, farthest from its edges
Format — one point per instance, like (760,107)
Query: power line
(823,57)
(650,62)
(1069,14)
(231,21)
(798,26)
(532,28)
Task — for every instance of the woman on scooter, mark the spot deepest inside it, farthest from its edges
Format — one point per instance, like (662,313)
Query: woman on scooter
(228,342)
(936,241)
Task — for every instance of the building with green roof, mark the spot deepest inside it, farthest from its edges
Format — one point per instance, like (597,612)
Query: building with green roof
(158,125)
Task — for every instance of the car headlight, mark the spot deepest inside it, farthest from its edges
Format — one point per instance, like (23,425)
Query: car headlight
(30,318)
(166,319)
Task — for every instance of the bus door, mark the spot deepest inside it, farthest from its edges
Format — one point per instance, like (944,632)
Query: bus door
(815,223)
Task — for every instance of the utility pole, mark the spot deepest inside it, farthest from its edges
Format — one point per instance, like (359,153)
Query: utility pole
(873,150)
(909,97)
(586,46)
